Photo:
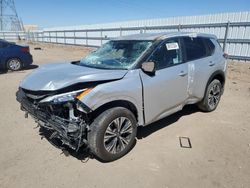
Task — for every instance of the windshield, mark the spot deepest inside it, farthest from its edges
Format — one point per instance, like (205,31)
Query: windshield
(120,54)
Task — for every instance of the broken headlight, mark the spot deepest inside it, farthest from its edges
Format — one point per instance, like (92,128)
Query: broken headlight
(66,97)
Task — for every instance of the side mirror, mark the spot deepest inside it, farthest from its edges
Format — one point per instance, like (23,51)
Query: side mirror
(148,67)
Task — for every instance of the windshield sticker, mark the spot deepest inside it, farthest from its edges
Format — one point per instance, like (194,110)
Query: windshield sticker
(172,46)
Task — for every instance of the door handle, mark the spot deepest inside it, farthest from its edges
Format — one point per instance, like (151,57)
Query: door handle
(211,63)
(182,73)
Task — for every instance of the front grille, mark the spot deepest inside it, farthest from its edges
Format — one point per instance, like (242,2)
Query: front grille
(34,110)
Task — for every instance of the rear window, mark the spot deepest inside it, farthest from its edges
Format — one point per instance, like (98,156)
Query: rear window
(3,45)
(197,48)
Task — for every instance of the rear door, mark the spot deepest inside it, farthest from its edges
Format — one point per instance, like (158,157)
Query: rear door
(167,89)
(199,57)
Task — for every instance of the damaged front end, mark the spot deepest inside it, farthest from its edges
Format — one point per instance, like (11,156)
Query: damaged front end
(62,114)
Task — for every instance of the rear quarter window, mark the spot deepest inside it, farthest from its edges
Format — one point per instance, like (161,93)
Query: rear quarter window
(194,48)
(210,47)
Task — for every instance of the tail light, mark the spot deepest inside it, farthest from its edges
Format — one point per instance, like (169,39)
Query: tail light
(25,49)
(225,55)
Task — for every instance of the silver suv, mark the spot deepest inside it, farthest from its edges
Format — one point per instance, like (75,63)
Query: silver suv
(99,101)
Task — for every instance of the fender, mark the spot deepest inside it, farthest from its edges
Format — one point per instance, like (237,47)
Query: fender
(127,89)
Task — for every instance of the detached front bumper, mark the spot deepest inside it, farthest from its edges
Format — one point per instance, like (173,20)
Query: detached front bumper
(70,132)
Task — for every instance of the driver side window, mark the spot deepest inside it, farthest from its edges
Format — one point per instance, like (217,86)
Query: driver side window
(168,54)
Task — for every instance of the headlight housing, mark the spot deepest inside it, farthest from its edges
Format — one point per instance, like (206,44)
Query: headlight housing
(65,97)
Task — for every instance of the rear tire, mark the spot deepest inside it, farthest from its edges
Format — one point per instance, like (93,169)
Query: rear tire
(212,96)
(14,64)
(112,134)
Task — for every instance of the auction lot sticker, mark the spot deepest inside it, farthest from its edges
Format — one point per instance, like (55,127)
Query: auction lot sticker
(172,46)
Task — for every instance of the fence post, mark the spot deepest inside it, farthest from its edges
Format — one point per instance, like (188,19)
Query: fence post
(64,36)
(101,35)
(141,31)
(179,27)
(120,31)
(42,36)
(27,36)
(74,37)
(33,36)
(30,37)
(56,37)
(86,37)
(226,36)
(49,37)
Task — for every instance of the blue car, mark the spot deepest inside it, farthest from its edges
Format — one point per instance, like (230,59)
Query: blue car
(14,57)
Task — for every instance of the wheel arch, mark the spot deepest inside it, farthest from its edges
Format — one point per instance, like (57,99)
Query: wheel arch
(219,75)
(117,103)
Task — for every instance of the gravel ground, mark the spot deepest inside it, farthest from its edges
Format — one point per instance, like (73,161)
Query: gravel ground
(219,157)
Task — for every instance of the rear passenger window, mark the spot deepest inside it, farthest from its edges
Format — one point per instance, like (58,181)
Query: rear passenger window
(195,48)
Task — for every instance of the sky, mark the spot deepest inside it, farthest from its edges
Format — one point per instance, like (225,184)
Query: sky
(53,13)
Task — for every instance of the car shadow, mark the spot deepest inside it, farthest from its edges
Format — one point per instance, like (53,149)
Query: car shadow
(3,71)
(30,67)
(144,132)
(84,154)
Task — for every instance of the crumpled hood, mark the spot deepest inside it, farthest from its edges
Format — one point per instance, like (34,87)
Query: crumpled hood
(56,76)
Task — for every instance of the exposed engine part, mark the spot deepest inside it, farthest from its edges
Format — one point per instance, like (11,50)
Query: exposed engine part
(71,112)
(65,121)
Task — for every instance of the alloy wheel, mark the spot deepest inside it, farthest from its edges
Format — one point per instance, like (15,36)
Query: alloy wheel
(214,96)
(118,135)
(14,64)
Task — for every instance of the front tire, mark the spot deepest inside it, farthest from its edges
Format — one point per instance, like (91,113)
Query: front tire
(212,96)
(112,134)
(14,64)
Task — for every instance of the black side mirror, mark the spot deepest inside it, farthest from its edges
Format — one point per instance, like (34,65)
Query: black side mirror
(148,67)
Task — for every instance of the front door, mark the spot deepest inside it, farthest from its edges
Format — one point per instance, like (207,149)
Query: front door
(167,89)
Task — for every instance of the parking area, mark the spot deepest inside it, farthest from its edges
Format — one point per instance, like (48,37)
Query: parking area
(219,156)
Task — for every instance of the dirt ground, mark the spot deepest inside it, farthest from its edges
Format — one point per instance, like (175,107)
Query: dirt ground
(219,157)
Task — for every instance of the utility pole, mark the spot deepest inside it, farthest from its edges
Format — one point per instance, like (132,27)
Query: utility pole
(9,20)
(1,15)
